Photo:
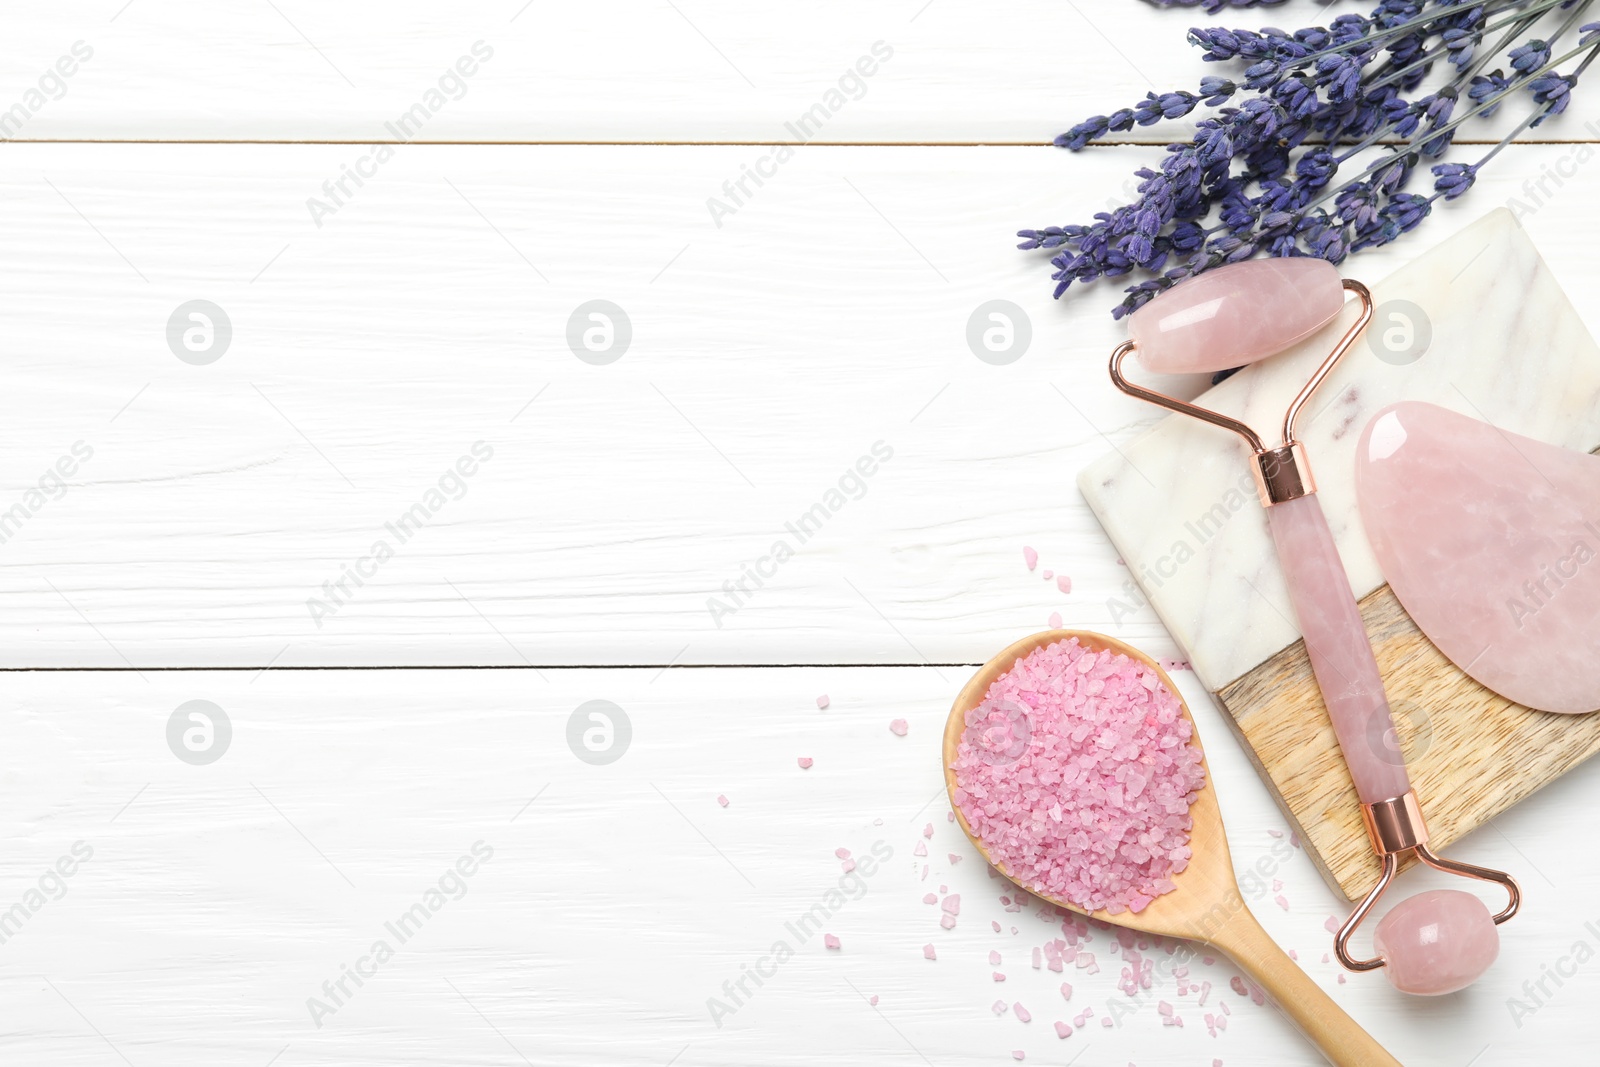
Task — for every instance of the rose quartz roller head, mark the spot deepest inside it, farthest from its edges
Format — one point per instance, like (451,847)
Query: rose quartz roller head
(1435,942)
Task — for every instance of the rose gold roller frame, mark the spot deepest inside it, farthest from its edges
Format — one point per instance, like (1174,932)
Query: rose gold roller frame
(1394,825)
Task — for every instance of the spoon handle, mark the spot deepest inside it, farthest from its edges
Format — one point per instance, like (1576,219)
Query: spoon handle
(1314,1013)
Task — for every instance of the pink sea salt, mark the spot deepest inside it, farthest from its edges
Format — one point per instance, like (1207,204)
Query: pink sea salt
(722,800)
(1055,620)
(805,762)
(1022,1013)
(929,898)
(829,941)
(998,977)
(898,727)
(928,953)
(822,701)
(873,1000)
(1049,575)
(998,1007)
(1077,772)
(920,849)
(994,958)
(1063,1030)
(927,831)
(1030,557)
(1063,583)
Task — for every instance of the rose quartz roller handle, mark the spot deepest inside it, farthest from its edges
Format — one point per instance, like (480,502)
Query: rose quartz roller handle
(1337,645)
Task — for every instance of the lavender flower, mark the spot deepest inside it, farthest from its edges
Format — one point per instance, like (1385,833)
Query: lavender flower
(1311,146)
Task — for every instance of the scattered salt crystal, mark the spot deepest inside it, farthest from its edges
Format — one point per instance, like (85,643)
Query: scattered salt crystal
(998,1007)
(1223,1004)
(822,701)
(1282,903)
(1030,557)
(998,977)
(1294,839)
(1275,833)
(1164,1008)
(1324,957)
(1022,1013)
(949,816)
(1216,1063)
(928,953)
(1038,958)
(994,958)
(1208,960)
(842,853)
(1277,885)
(927,831)
(995,925)
(1205,991)
(873,1000)
(924,870)
(929,898)
(830,941)
(952,903)
(1018,1055)
(805,763)
(1055,620)
(1049,575)
(722,800)
(847,866)
(1341,979)
(1085,959)
(954,859)
(947,921)
(1237,985)
(1063,1031)
(898,727)
(1063,583)
(1293,955)
(1332,924)
(1106,1022)
(1066,991)
(1222,1024)
(920,849)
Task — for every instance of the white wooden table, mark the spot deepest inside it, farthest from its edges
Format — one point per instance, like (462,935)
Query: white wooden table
(417,707)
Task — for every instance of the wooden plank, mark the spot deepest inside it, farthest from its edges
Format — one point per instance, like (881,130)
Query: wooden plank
(1471,753)
(218,898)
(625,71)
(430,312)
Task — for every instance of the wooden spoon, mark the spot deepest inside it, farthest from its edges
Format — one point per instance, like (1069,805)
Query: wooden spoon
(1206,905)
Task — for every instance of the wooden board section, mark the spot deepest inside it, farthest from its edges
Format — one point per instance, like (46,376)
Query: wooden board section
(1471,753)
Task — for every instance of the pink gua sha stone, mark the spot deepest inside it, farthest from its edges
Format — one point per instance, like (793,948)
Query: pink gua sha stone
(1492,543)
(1437,942)
(1236,315)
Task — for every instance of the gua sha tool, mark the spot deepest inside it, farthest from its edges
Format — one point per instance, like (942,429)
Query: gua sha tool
(1434,942)
(1204,903)
(1492,542)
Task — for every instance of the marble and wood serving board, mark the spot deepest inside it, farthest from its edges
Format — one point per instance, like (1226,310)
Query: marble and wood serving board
(1479,325)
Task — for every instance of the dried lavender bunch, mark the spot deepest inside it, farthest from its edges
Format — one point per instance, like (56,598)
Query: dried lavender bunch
(1279,164)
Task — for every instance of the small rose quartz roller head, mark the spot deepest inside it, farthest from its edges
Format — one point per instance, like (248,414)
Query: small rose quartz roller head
(1435,942)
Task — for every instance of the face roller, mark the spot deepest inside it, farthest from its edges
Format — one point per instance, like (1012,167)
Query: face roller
(1434,942)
